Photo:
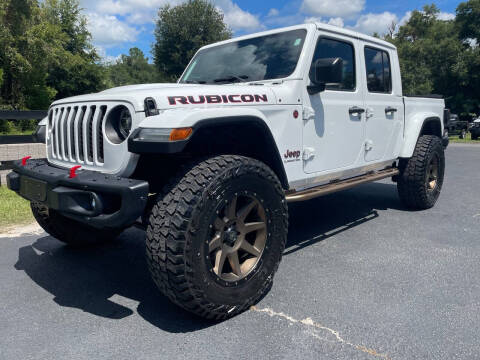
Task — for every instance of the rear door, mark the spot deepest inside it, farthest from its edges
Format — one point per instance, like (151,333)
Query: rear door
(384,117)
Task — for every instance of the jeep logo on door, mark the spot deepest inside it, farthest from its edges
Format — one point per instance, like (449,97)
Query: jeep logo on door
(217,99)
(292,155)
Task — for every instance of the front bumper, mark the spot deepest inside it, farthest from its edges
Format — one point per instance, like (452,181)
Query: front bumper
(99,200)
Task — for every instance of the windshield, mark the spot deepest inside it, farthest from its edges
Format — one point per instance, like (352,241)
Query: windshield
(262,58)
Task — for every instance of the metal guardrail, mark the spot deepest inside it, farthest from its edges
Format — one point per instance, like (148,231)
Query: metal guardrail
(20,115)
(17,145)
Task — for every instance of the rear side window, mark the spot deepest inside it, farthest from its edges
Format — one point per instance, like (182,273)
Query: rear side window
(327,49)
(379,74)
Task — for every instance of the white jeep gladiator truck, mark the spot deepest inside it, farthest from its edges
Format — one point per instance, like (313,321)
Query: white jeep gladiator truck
(208,165)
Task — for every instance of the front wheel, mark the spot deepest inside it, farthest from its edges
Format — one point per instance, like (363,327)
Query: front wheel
(216,235)
(421,177)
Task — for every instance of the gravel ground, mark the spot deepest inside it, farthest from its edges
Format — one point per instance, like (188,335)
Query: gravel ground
(362,278)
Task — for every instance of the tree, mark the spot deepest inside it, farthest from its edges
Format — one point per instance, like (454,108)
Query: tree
(46,53)
(28,45)
(432,59)
(133,69)
(468,19)
(80,72)
(181,30)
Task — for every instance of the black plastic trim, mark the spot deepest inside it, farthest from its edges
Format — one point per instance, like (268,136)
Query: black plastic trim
(445,141)
(39,136)
(152,147)
(72,196)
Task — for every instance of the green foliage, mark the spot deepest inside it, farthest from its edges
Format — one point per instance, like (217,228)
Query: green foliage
(79,72)
(181,30)
(435,59)
(46,53)
(133,69)
(468,19)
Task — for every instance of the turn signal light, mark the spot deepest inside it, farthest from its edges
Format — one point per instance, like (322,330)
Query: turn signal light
(180,134)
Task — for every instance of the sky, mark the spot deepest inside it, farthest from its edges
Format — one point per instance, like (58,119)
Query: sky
(118,25)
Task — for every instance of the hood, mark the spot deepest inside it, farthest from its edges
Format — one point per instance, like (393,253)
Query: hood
(173,96)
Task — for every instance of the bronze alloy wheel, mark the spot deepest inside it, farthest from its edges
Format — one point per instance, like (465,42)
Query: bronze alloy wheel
(432,173)
(238,238)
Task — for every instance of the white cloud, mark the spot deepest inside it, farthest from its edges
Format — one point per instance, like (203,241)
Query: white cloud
(273,12)
(333,8)
(332,21)
(108,30)
(113,22)
(338,21)
(313,19)
(106,59)
(446,16)
(135,11)
(237,18)
(405,18)
(375,23)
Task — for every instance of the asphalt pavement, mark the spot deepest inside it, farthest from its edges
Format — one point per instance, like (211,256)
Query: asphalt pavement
(361,278)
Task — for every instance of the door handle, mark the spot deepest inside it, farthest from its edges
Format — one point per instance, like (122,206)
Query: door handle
(390,110)
(356,110)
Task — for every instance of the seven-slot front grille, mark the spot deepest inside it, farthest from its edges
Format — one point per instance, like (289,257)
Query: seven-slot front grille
(76,133)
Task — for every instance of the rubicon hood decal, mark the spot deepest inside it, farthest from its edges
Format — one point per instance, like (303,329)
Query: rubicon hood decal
(217,99)
(169,96)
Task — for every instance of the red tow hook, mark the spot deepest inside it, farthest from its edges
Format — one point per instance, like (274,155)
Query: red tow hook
(73,171)
(24,160)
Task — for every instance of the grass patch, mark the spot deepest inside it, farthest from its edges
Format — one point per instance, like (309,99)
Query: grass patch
(14,210)
(17,132)
(467,140)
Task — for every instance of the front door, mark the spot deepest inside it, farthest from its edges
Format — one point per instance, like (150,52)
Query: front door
(334,136)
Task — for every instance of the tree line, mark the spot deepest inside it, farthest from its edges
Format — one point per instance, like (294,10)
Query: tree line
(47,52)
(442,57)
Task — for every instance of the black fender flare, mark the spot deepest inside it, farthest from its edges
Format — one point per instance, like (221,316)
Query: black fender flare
(176,147)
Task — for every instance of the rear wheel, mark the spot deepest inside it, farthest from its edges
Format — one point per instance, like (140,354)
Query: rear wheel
(70,231)
(421,177)
(216,235)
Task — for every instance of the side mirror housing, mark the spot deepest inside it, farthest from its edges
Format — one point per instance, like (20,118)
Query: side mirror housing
(325,72)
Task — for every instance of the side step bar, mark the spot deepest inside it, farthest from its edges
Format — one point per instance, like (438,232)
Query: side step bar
(340,185)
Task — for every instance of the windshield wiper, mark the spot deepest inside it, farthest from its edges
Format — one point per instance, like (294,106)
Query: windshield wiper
(232,78)
(195,82)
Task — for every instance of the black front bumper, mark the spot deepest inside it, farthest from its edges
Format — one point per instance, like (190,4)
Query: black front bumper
(93,198)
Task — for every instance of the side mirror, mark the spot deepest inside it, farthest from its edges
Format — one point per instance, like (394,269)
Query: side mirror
(325,72)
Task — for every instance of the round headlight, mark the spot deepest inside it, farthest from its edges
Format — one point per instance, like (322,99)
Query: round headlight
(118,124)
(125,122)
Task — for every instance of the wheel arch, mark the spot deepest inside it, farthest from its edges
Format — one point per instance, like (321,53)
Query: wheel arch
(225,134)
(254,139)
(422,124)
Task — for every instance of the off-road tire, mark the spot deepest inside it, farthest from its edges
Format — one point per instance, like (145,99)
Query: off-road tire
(177,235)
(413,187)
(69,231)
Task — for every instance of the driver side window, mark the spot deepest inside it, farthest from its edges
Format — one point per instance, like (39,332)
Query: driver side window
(328,49)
